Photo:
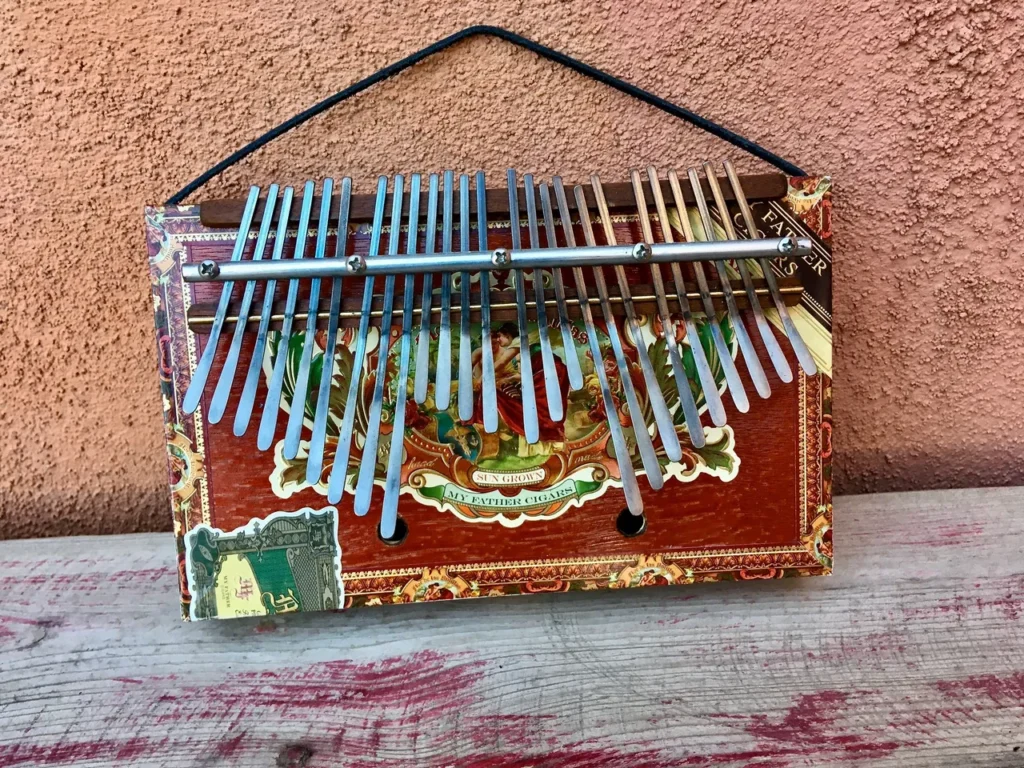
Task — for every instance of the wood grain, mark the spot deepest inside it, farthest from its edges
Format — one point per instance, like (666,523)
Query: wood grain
(909,656)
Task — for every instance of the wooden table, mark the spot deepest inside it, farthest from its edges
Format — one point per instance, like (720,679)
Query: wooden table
(911,655)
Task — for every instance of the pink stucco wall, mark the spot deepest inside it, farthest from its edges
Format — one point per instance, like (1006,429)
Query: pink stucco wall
(913,107)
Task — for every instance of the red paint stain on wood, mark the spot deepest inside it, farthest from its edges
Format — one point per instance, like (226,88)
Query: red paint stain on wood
(227,749)
(1001,691)
(952,535)
(577,755)
(424,682)
(1010,603)
(70,752)
(815,724)
(61,583)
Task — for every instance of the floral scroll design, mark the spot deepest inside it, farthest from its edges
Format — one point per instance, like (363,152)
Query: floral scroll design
(649,571)
(810,198)
(819,540)
(435,584)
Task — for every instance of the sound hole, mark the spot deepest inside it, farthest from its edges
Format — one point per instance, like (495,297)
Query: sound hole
(401,531)
(630,525)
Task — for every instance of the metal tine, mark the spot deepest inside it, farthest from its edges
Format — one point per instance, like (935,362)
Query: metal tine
(572,360)
(315,459)
(740,329)
(194,393)
(339,472)
(488,389)
(423,344)
(297,411)
(268,421)
(803,355)
(666,427)
(643,438)
(668,330)
(252,378)
(389,514)
(531,425)
(732,377)
(716,410)
(443,370)
(771,344)
(227,374)
(465,283)
(368,465)
(552,390)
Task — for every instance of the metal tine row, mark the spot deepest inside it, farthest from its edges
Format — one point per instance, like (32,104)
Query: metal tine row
(531,425)
(465,342)
(423,346)
(194,393)
(775,353)
(245,404)
(219,402)
(489,392)
(643,439)
(443,369)
(315,459)
(708,385)
(634,501)
(339,472)
(297,413)
(368,466)
(268,421)
(389,515)
(739,328)
(668,330)
(662,416)
(666,426)
(552,387)
(732,376)
(803,355)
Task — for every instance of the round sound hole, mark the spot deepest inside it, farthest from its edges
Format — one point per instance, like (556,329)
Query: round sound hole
(631,525)
(401,531)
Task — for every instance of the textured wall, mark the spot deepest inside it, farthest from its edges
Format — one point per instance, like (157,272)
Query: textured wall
(914,108)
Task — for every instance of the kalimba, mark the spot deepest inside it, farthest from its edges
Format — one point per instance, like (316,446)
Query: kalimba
(447,390)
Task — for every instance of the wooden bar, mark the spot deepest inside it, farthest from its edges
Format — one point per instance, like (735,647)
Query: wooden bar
(228,213)
(910,656)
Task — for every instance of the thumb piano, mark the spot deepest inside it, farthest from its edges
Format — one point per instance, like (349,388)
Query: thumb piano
(444,389)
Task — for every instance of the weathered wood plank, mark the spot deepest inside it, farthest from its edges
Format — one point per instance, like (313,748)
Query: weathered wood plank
(911,655)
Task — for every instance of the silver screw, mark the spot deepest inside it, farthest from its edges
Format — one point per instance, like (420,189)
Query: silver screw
(642,252)
(209,268)
(356,263)
(788,245)
(501,258)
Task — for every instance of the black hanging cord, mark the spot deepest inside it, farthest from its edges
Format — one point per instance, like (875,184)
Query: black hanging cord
(548,53)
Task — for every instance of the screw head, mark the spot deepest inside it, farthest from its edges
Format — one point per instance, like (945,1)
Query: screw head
(356,263)
(642,252)
(788,245)
(501,257)
(209,268)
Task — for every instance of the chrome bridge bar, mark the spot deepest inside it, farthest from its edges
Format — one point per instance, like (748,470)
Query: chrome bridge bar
(499,259)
